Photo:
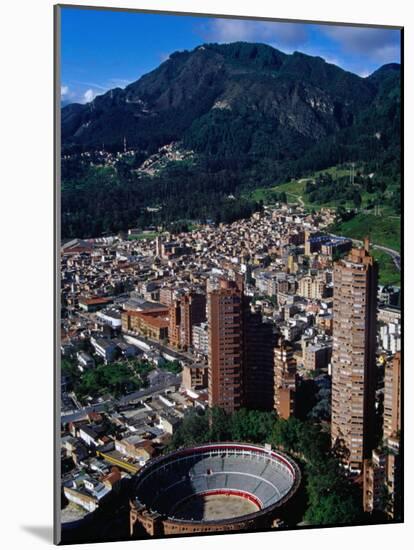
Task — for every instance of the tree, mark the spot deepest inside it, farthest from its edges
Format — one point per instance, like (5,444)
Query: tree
(219,425)
(332,497)
(357,199)
(332,508)
(194,429)
(286,434)
(251,425)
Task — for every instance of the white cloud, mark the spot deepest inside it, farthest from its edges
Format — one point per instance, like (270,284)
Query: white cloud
(89,95)
(91,85)
(388,54)
(380,45)
(64,90)
(279,34)
(119,82)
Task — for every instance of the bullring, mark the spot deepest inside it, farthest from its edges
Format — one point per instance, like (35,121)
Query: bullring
(212,487)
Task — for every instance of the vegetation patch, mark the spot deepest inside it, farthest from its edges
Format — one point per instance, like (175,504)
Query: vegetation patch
(382,230)
(389,274)
(116,378)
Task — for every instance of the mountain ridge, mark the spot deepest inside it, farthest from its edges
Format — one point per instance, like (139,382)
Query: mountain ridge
(301,95)
(220,121)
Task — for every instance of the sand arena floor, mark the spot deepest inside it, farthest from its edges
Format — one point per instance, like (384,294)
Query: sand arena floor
(214,507)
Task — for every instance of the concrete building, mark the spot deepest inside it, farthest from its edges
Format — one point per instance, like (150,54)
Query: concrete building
(104,348)
(111,317)
(259,343)
(152,324)
(374,475)
(174,323)
(284,380)
(389,314)
(166,295)
(353,357)
(390,335)
(86,491)
(195,377)
(312,288)
(133,446)
(85,360)
(382,483)
(186,310)
(200,339)
(392,399)
(382,472)
(91,305)
(316,357)
(326,244)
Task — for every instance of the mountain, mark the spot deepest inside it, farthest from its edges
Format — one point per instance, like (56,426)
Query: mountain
(242,115)
(224,89)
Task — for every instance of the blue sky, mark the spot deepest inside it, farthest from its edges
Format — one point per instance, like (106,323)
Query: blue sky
(101,50)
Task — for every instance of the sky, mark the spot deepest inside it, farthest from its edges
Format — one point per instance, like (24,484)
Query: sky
(103,49)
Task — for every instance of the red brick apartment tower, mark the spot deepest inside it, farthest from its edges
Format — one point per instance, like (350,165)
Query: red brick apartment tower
(225,354)
(382,472)
(353,357)
(186,311)
(284,380)
(174,323)
(392,400)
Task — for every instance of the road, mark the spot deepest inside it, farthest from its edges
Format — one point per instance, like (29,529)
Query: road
(147,344)
(395,255)
(297,197)
(163,381)
(167,380)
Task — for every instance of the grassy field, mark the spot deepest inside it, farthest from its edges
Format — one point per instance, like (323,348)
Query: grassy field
(384,230)
(388,273)
(295,191)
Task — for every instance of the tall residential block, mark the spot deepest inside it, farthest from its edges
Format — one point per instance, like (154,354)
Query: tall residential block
(186,311)
(374,476)
(259,344)
(193,312)
(225,357)
(353,356)
(382,480)
(392,401)
(284,380)
(174,323)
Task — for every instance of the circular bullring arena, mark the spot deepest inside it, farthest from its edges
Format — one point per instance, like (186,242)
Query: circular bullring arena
(212,487)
